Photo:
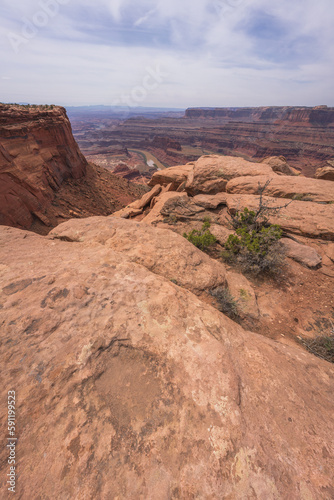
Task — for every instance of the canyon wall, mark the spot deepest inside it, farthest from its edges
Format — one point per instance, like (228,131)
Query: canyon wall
(319,115)
(305,136)
(37,154)
(44,177)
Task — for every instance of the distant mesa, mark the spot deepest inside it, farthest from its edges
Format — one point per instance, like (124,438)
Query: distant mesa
(321,115)
(303,135)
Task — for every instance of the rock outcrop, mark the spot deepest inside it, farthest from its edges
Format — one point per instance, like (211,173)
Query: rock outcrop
(303,254)
(175,175)
(211,174)
(44,178)
(280,165)
(299,188)
(319,115)
(302,206)
(314,220)
(325,173)
(129,386)
(161,251)
(37,153)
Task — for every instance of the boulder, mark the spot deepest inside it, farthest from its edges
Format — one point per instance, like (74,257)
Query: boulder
(299,217)
(279,165)
(131,387)
(210,202)
(221,233)
(300,188)
(211,173)
(181,207)
(146,199)
(175,175)
(243,293)
(325,173)
(155,215)
(303,254)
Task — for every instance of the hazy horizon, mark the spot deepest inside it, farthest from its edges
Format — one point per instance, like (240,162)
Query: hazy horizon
(158,107)
(200,53)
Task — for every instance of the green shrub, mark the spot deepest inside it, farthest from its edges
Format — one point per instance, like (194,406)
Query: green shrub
(201,239)
(255,247)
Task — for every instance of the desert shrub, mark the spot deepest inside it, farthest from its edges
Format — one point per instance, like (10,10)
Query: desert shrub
(322,346)
(255,247)
(226,302)
(170,219)
(201,239)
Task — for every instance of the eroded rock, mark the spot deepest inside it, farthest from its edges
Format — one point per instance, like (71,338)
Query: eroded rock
(155,215)
(314,220)
(173,175)
(299,188)
(160,250)
(41,140)
(303,254)
(131,387)
(325,173)
(243,293)
(211,174)
(210,201)
(279,165)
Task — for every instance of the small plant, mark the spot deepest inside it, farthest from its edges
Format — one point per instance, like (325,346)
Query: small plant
(172,220)
(201,239)
(322,346)
(226,302)
(244,294)
(255,247)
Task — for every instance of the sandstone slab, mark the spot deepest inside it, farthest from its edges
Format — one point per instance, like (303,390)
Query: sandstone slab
(128,212)
(161,251)
(146,199)
(301,188)
(131,387)
(244,295)
(221,233)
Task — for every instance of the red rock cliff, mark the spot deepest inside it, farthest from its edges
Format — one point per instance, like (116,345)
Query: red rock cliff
(320,115)
(37,153)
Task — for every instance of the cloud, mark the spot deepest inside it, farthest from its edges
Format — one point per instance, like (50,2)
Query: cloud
(215,52)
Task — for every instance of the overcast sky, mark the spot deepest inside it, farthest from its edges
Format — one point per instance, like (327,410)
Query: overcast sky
(171,53)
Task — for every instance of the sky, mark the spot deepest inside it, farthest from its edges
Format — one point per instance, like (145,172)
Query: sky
(170,53)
